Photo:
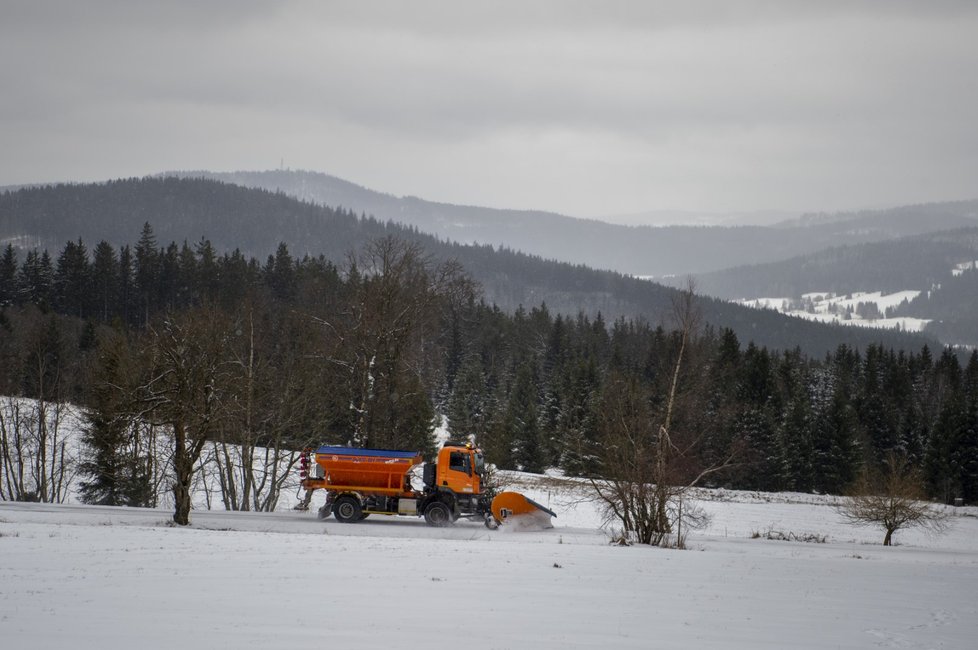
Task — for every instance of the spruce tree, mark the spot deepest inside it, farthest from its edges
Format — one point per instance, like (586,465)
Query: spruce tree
(147,272)
(8,277)
(523,417)
(467,407)
(114,474)
(105,282)
(72,281)
(967,450)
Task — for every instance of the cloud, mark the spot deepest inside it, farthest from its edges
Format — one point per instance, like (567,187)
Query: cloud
(579,107)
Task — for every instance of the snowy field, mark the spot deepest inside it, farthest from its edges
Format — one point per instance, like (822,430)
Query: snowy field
(81,577)
(827,307)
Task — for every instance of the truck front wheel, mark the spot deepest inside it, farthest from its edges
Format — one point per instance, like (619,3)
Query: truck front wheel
(347,510)
(438,514)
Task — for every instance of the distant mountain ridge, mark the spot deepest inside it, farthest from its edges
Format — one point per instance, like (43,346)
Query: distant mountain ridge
(636,250)
(948,214)
(658,218)
(255,221)
(915,262)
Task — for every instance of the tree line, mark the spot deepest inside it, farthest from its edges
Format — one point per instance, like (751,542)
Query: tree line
(227,218)
(287,352)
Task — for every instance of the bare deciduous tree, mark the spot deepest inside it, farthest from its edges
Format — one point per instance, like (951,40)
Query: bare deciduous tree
(892,499)
(274,396)
(35,462)
(384,341)
(186,390)
(648,468)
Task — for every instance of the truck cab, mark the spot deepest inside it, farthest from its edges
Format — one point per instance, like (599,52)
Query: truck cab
(454,485)
(460,468)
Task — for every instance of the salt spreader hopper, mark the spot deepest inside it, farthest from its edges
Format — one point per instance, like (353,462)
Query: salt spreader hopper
(362,482)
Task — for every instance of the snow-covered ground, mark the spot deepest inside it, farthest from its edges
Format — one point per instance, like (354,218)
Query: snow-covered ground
(74,576)
(827,307)
(80,577)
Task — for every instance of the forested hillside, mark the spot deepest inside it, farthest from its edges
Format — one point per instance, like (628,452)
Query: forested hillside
(253,223)
(921,263)
(926,263)
(290,351)
(635,250)
(953,306)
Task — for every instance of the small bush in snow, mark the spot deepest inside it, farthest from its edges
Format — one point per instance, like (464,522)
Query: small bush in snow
(789,536)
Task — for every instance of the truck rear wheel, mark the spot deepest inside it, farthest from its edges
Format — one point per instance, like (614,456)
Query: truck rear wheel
(438,514)
(347,510)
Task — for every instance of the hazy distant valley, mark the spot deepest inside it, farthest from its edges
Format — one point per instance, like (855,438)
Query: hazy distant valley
(816,266)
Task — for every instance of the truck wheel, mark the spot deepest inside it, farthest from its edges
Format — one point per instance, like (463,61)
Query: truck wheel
(438,514)
(347,510)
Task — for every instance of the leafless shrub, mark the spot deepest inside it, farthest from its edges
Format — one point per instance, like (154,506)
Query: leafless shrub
(892,499)
(789,536)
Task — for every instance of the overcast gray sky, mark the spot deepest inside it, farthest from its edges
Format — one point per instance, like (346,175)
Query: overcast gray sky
(583,108)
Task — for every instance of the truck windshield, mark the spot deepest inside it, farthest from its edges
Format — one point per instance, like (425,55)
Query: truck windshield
(480,464)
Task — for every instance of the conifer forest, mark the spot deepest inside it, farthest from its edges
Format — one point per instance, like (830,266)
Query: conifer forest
(290,352)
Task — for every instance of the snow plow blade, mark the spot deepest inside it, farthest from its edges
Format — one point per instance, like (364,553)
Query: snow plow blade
(512,508)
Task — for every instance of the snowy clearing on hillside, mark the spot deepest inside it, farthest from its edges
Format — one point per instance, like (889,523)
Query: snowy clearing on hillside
(959,269)
(101,577)
(827,307)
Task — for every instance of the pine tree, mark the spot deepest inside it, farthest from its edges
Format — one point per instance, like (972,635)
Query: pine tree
(105,434)
(796,423)
(168,281)
(105,282)
(836,449)
(128,293)
(208,275)
(72,281)
(8,277)
(414,419)
(467,407)
(35,279)
(874,412)
(523,417)
(147,273)
(280,273)
(577,423)
(768,463)
(967,449)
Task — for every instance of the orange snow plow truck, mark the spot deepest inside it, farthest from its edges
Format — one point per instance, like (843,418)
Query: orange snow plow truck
(363,482)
